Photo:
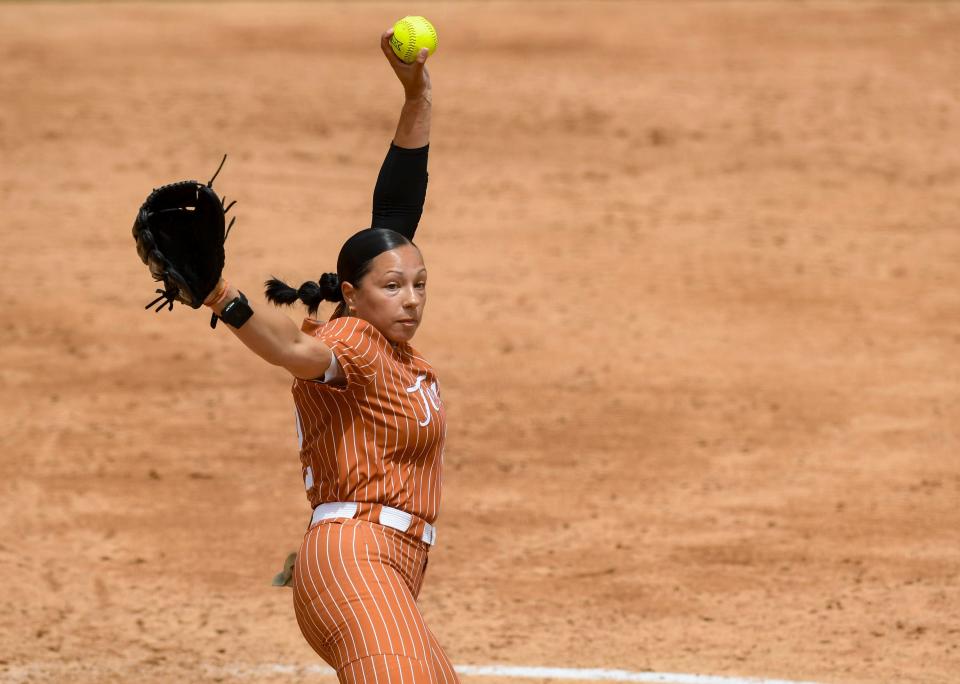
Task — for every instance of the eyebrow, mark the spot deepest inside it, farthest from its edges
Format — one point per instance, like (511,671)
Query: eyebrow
(393,270)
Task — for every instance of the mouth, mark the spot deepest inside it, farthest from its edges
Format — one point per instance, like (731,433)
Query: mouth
(408,322)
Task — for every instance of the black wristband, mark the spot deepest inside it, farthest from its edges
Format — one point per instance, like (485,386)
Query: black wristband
(235,313)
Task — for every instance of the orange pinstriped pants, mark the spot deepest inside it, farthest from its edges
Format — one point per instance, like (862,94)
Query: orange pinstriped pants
(354,594)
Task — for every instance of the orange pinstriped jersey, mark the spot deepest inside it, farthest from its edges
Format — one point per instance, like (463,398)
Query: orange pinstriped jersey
(377,435)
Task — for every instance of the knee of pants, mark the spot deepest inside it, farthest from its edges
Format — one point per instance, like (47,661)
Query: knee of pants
(387,668)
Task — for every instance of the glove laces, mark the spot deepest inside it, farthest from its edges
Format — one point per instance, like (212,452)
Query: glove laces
(168,297)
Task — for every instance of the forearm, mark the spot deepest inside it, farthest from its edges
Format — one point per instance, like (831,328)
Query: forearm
(413,128)
(275,338)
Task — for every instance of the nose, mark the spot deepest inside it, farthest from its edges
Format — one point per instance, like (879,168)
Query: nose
(412,298)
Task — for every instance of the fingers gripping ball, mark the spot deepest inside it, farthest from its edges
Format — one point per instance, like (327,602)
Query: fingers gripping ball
(410,34)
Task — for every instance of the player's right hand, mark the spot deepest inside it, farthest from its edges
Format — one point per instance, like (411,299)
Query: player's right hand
(414,77)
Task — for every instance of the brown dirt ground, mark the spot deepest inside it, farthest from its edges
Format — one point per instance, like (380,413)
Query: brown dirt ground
(694,302)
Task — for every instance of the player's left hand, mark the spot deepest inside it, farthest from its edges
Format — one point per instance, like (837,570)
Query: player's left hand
(179,231)
(414,77)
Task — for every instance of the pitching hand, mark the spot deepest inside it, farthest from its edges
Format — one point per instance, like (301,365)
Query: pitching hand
(414,77)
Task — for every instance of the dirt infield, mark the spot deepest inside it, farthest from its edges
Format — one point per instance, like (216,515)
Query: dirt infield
(695,305)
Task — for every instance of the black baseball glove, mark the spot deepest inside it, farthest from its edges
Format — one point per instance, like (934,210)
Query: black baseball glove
(180,233)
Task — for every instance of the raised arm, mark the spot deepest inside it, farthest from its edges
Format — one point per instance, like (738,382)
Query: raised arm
(402,183)
(276,339)
(413,128)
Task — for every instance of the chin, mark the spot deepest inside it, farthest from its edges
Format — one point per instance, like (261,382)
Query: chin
(401,335)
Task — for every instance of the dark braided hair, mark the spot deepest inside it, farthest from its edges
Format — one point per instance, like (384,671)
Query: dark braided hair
(356,256)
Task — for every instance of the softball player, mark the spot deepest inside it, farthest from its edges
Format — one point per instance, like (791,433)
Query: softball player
(370,424)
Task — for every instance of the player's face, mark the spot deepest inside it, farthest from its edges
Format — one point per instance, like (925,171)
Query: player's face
(392,294)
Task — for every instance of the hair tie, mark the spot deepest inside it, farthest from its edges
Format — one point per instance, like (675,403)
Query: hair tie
(330,287)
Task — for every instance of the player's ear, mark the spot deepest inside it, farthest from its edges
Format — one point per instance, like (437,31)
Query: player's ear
(349,294)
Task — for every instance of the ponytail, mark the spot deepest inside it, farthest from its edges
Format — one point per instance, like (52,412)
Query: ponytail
(310,293)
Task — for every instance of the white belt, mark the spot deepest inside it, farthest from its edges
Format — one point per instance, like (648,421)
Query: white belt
(390,517)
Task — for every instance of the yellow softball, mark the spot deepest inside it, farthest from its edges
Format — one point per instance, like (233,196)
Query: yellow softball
(410,34)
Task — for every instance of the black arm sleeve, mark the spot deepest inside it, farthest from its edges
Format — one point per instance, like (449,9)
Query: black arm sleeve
(400,190)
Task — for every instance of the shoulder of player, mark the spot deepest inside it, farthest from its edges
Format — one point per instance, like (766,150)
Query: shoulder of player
(357,333)
(345,329)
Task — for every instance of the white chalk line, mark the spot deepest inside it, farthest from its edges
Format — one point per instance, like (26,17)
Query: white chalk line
(523,672)
(26,672)
(598,674)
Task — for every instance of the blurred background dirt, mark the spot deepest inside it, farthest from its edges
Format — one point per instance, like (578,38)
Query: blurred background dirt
(694,304)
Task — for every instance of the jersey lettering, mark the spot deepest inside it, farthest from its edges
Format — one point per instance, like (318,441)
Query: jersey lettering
(425,395)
